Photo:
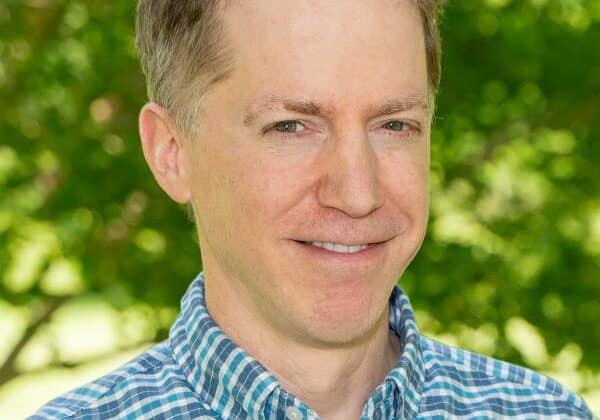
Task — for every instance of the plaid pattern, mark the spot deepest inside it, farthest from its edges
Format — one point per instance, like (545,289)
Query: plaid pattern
(199,373)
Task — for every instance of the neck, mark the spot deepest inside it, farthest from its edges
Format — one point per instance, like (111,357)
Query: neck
(334,381)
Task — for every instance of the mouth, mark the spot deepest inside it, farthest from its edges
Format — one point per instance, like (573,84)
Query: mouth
(340,248)
(336,247)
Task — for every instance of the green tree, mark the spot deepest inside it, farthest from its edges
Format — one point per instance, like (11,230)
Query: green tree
(510,266)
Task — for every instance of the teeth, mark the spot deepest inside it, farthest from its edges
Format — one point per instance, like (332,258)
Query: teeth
(345,249)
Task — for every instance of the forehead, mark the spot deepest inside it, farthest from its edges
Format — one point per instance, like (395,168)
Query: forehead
(327,48)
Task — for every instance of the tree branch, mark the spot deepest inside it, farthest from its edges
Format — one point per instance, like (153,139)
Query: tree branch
(8,370)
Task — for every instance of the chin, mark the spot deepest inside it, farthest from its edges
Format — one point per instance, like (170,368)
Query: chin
(344,334)
(345,323)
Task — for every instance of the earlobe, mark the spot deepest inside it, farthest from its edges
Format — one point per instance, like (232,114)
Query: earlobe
(162,147)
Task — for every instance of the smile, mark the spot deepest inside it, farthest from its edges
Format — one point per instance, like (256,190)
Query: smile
(325,252)
(341,248)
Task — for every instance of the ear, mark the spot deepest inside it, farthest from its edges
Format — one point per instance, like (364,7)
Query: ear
(163,150)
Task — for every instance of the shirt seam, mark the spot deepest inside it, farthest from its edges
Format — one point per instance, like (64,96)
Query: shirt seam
(578,410)
(150,369)
(467,368)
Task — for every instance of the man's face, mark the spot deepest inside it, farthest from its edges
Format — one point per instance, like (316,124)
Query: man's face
(321,134)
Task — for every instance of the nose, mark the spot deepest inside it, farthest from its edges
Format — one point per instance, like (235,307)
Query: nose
(350,181)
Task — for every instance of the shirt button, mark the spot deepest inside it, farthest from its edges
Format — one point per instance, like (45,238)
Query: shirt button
(292,413)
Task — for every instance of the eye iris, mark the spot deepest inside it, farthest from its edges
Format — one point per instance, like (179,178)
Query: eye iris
(287,126)
(395,125)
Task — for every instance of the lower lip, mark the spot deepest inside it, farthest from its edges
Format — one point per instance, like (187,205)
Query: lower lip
(372,251)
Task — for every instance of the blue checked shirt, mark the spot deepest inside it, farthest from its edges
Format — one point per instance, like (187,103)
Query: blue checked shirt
(199,373)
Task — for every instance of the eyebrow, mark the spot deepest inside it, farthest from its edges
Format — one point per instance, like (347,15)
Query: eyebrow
(306,107)
(393,106)
(310,107)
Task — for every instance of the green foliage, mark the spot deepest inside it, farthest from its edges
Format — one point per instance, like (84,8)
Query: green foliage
(510,266)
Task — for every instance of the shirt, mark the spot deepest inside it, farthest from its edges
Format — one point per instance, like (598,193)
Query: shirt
(199,372)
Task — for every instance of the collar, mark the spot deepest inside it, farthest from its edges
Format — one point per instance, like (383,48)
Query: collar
(408,375)
(235,385)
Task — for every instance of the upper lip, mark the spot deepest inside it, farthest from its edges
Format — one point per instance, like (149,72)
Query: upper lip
(346,242)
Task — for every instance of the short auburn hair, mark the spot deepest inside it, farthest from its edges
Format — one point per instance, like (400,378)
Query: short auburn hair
(183,52)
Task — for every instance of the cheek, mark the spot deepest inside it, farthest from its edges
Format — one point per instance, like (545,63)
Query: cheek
(405,181)
(215,185)
(239,193)
(406,171)
(275,182)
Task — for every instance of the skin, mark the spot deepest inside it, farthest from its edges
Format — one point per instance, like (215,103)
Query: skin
(350,166)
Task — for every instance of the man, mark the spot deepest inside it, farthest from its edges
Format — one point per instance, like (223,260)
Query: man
(298,132)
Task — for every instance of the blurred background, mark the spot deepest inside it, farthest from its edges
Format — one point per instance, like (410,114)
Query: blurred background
(94,257)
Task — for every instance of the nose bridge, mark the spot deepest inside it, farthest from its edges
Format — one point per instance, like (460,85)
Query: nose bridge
(350,179)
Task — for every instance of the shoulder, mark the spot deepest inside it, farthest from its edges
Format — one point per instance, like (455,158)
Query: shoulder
(464,383)
(149,386)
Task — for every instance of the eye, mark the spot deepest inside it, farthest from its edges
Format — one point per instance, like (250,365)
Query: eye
(289,126)
(403,129)
(395,125)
